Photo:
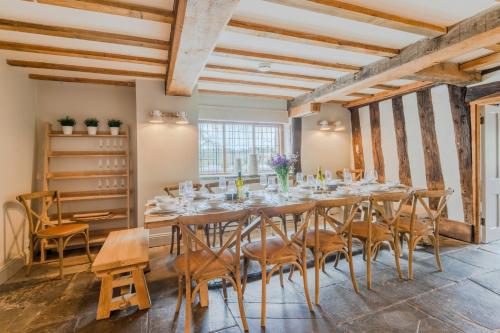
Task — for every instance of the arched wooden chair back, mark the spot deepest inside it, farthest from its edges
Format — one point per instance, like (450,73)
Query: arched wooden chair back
(350,205)
(382,203)
(442,197)
(40,220)
(173,189)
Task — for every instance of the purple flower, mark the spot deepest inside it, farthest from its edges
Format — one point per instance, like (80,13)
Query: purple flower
(282,163)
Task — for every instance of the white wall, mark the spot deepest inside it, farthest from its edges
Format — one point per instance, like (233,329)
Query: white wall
(166,153)
(330,150)
(17,131)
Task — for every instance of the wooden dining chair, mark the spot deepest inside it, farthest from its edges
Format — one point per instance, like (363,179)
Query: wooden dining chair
(381,225)
(205,264)
(337,241)
(357,174)
(414,227)
(42,229)
(278,251)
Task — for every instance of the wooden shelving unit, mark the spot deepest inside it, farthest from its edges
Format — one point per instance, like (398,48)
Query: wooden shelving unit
(117,189)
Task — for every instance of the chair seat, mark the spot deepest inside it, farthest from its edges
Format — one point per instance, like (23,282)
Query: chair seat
(380,232)
(328,240)
(421,228)
(199,258)
(276,251)
(63,230)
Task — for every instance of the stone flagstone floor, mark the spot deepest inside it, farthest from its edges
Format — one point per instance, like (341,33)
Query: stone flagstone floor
(463,298)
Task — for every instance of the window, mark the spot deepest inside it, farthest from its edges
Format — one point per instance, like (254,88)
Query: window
(221,143)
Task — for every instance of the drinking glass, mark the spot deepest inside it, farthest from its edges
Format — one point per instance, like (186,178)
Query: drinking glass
(263,180)
(188,187)
(328,176)
(299,178)
(347,176)
(182,189)
(222,184)
(272,182)
(231,186)
(310,180)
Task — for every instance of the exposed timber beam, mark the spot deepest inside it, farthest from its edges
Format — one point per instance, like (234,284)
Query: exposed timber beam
(32,48)
(252,83)
(365,15)
(385,87)
(358,94)
(115,7)
(494,48)
(222,92)
(261,30)
(305,110)
(279,75)
(471,34)
(490,60)
(84,69)
(446,73)
(97,36)
(259,56)
(80,80)
(482,90)
(197,27)
(406,89)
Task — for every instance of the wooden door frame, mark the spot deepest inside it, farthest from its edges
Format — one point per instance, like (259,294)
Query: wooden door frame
(476,106)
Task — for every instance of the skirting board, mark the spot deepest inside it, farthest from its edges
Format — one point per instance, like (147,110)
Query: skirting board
(10,268)
(457,230)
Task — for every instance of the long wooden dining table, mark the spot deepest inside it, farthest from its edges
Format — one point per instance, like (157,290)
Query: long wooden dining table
(154,218)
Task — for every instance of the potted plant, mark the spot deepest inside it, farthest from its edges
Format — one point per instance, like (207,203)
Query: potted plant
(91,124)
(67,125)
(114,126)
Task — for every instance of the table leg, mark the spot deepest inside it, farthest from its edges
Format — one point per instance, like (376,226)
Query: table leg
(204,295)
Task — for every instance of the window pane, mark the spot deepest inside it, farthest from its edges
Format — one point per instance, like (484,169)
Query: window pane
(267,143)
(239,143)
(211,148)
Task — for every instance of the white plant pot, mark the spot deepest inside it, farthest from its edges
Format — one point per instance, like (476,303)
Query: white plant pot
(115,130)
(67,130)
(92,130)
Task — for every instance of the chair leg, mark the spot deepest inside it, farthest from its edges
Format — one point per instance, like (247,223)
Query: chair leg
(349,259)
(60,249)
(292,268)
(187,316)
(296,220)
(281,277)
(180,290)
(306,285)
(239,292)
(179,237)
(410,256)
(172,239)
(87,245)
(30,256)
(436,253)
(263,300)
(395,246)
(316,275)
(368,248)
(224,289)
(283,219)
(337,259)
(246,262)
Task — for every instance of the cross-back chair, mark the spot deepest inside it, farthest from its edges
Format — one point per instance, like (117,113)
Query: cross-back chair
(372,232)
(206,263)
(415,227)
(42,229)
(279,251)
(338,240)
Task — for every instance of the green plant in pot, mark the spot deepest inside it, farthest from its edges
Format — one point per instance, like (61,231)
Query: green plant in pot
(91,124)
(114,126)
(67,124)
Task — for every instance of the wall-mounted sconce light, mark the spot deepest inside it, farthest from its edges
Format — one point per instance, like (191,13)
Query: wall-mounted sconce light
(336,126)
(159,117)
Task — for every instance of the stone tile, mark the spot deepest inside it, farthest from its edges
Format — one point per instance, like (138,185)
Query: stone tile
(398,318)
(477,257)
(276,311)
(292,325)
(465,305)
(55,327)
(446,245)
(489,281)
(493,247)
(123,322)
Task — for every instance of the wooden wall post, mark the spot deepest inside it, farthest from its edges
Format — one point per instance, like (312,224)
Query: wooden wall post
(357,142)
(378,156)
(401,141)
(297,142)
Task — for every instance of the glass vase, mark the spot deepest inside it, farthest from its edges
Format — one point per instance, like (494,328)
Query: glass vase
(283,182)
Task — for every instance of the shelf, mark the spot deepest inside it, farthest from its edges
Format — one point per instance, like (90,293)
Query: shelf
(86,174)
(118,214)
(80,134)
(93,195)
(97,237)
(88,154)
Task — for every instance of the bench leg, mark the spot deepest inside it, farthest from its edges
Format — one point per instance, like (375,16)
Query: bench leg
(104,307)
(141,289)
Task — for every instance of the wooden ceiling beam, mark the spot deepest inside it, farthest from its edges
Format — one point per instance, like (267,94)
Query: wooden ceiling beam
(81,80)
(259,56)
(446,73)
(385,87)
(221,92)
(358,94)
(261,30)
(406,89)
(32,48)
(471,34)
(84,69)
(195,32)
(97,36)
(481,63)
(252,83)
(273,74)
(305,110)
(366,15)
(115,7)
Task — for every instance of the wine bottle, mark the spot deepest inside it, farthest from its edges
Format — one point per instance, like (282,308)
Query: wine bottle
(239,186)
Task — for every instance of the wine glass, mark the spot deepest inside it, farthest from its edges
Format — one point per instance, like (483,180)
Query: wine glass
(299,178)
(222,184)
(272,183)
(328,176)
(311,181)
(347,176)
(263,180)
(231,188)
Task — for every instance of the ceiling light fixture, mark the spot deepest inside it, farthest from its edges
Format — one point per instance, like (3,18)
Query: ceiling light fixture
(159,117)
(264,67)
(336,126)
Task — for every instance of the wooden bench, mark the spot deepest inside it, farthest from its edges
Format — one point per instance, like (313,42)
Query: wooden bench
(120,263)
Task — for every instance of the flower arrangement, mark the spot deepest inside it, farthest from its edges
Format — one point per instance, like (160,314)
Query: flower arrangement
(283,165)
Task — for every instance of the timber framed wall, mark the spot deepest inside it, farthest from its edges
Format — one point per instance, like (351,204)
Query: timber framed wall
(422,139)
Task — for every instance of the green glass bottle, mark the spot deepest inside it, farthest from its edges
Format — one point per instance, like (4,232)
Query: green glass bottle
(239,186)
